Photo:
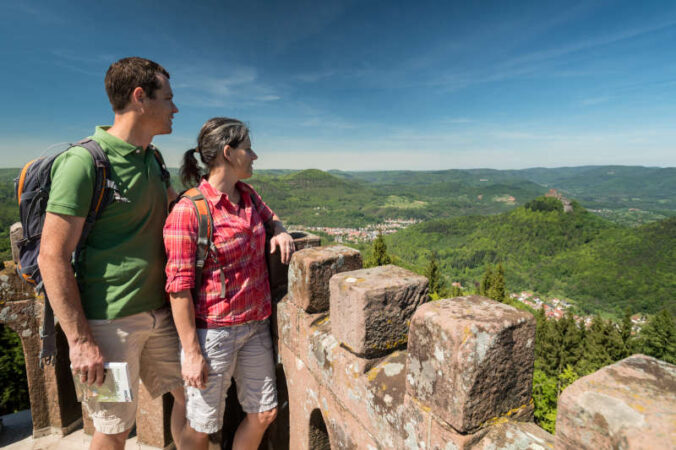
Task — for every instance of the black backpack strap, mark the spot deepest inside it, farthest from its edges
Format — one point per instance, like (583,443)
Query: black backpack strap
(165,175)
(105,191)
(47,333)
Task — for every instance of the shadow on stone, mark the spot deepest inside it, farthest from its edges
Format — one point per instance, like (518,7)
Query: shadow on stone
(15,427)
(319,436)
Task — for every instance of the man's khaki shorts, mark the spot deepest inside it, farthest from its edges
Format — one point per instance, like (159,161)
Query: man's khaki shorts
(240,351)
(149,344)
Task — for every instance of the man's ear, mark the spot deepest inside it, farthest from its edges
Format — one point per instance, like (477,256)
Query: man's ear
(138,95)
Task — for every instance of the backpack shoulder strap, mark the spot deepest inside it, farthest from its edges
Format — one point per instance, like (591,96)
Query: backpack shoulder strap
(104,189)
(165,176)
(204,233)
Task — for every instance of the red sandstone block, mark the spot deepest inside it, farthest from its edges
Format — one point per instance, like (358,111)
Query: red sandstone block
(471,360)
(630,404)
(303,239)
(153,423)
(371,309)
(278,272)
(15,235)
(310,271)
(516,435)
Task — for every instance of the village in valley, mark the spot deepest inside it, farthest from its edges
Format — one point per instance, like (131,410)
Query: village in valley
(555,308)
(362,234)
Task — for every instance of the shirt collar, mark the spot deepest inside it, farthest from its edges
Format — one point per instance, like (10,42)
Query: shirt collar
(214,195)
(114,143)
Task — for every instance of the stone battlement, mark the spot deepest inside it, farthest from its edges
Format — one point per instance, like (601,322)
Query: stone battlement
(365,361)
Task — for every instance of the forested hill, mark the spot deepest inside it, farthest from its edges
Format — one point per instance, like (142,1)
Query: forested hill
(316,198)
(598,264)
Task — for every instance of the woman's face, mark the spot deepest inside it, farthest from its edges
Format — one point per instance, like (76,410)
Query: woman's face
(242,158)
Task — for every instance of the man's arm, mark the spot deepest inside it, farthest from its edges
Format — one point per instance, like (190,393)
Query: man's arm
(193,367)
(60,235)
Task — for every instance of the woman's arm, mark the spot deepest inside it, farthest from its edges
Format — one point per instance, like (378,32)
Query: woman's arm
(282,239)
(193,367)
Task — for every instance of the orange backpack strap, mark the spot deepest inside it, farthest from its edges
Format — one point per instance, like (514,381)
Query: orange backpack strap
(204,233)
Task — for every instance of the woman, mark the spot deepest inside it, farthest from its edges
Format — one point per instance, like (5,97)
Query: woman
(224,328)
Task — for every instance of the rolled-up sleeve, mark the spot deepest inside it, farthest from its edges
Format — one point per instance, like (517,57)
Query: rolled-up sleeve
(180,243)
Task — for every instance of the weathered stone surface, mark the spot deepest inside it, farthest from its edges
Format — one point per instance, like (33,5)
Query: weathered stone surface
(15,234)
(278,272)
(471,360)
(628,405)
(310,271)
(153,419)
(514,436)
(54,409)
(87,422)
(11,286)
(303,239)
(371,308)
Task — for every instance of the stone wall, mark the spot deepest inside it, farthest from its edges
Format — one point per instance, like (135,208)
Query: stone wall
(369,363)
(365,361)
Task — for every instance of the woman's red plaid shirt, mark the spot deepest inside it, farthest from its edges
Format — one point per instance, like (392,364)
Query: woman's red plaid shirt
(238,266)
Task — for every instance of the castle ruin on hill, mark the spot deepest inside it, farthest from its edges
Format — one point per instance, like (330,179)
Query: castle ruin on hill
(567,205)
(366,362)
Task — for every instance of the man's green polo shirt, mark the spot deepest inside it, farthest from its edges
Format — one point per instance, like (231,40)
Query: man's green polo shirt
(122,270)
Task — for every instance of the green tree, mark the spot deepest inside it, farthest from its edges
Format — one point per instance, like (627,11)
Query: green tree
(658,337)
(625,332)
(14,393)
(379,256)
(567,377)
(497,290)
(434,276)
(485,286)
(455,291)
(603,345)
(545,398)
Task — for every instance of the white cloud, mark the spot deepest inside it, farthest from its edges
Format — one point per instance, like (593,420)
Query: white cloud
(205,87)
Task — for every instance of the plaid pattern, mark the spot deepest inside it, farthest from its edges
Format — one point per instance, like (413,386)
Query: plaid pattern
(239,261)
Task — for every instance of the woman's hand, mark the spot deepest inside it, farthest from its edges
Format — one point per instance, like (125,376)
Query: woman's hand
(194,370)
(284,241)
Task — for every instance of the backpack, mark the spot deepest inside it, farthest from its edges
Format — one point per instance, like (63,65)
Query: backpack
(32,188)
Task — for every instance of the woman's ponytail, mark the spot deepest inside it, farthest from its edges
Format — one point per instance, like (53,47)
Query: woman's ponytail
(190,170)
(215,134)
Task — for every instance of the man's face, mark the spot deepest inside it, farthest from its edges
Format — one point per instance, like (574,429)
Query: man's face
(159,110)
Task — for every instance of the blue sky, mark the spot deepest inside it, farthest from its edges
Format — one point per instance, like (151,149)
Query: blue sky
(359,85)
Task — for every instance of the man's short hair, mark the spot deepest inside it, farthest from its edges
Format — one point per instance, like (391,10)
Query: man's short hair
(127,74)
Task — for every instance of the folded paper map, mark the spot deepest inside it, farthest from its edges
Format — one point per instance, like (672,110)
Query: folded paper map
(116,386)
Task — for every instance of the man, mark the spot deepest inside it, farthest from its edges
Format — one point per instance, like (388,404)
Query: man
(116,310)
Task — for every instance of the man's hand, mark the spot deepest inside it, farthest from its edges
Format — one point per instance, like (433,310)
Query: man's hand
(194,370)
(284,242)
(86,361)
(60,235)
